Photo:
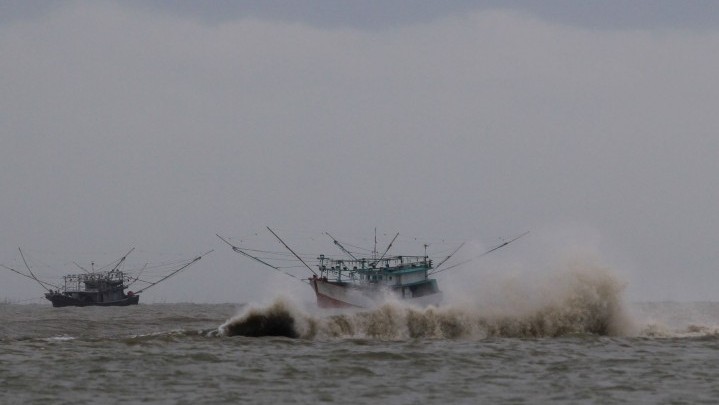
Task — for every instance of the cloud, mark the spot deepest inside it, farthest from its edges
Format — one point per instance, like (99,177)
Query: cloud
(127,127)
(387,14)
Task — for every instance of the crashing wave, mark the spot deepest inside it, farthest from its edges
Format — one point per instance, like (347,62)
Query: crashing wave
(586,301)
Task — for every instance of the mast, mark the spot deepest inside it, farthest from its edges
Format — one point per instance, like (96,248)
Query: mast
(374,251)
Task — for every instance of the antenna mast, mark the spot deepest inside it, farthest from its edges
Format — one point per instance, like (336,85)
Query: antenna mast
(374,251)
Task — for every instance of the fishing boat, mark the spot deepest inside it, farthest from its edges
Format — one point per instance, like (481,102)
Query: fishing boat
(366,281)
(99,288)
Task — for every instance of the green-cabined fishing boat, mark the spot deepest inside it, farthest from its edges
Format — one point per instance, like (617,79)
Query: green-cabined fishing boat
(366,281)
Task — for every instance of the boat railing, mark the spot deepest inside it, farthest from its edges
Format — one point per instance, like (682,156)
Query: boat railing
(370,271)
(94,282)
(372,263)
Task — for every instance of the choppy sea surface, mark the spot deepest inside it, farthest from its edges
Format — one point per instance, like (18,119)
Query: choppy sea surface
(587,347)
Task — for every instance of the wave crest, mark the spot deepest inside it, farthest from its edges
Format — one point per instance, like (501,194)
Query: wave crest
(276,320)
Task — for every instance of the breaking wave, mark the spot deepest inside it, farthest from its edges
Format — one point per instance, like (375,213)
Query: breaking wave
(584,301)
(277,320)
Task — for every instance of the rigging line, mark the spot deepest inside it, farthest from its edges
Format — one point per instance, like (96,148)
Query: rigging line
(138,275)
(166,264)
(114,263)
(274,252)
(508,242)
(240,251)
(122,260)
(358,247)
(178,270)
(31,273)
(455,265)
(103,267)
(25,275)
(271,252)
(483,254)
(429,240)
(291,267)
(274,259)
(386,250)
(339,245)
(293,252)
(448,257)
(81,268)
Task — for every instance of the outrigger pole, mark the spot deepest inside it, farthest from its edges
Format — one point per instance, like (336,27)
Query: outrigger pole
(174,272)
(292,251)
(448,257)
(122,259)
(31,278)
(138,276)
(242,252)
(81,268)
(31,273)
(477,257)
(339,245)
(386,250)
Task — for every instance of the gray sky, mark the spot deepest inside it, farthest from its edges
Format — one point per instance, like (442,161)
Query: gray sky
(158,124)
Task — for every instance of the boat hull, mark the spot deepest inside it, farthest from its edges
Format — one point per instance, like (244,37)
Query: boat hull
(333,294)
(63,300)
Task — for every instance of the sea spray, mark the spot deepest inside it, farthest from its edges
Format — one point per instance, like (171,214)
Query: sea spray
(677,319)
(579,300)
(578,296)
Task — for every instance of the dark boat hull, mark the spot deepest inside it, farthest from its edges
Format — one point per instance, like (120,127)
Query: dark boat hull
(62,300)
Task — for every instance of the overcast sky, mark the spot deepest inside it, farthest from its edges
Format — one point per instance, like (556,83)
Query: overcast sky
(156,124)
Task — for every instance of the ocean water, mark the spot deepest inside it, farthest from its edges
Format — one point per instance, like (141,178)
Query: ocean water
(585,346)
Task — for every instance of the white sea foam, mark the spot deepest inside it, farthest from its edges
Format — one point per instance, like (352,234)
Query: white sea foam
(60,338)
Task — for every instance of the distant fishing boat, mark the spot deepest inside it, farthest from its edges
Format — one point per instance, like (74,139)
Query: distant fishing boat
(99,288)
(364,282)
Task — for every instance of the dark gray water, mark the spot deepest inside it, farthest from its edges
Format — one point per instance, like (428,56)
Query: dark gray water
(184,354)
